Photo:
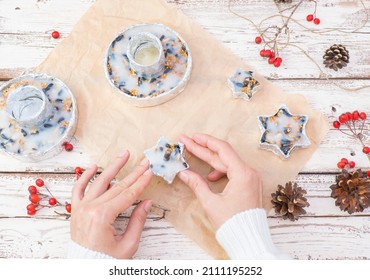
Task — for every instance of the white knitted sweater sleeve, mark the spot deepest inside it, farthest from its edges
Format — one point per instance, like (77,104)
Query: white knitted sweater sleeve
(247,236)
(76,251)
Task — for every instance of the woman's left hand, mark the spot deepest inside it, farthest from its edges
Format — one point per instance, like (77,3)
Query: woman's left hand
(95,210)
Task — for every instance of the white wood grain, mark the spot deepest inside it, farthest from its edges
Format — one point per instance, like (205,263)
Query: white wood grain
(324,233)
(308,238)
(26,41)
(46,238)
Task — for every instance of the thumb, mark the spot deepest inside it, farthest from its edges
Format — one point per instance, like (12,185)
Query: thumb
(131,237)
(197,184)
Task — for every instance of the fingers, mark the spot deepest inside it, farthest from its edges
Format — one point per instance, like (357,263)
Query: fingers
(102,183)
(126,197)
(134,175)
(215,175)
(203,153)
(197,184)
(131,238)
(226,153)
(125,183)
(79,188)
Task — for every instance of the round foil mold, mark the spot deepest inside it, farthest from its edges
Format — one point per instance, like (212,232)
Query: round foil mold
(148,84)
(38,113)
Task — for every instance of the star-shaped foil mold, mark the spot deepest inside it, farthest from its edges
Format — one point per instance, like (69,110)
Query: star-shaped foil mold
(283,132)
(166,159)
(243,84)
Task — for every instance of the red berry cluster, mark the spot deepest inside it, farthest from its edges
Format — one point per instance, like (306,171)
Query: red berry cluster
(270,54)
(40,200)
(345,163)
(348,118)
(313,18)
(354,122)
(67,146)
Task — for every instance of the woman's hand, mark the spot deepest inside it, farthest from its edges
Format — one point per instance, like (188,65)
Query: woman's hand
(95,210)
(243,190)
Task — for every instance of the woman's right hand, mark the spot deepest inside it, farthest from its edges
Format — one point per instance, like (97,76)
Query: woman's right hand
(243,190)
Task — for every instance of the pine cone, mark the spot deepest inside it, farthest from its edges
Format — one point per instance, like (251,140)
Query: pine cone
(283,1)
(289,201)
(336,57)
(351,191)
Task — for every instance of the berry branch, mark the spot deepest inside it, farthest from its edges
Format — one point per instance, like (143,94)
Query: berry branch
(354,125)
(38,199)
(272,53)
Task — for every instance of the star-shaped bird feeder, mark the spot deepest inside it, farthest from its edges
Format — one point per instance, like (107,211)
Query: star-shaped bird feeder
(243,84)
(283,132)
(166,159)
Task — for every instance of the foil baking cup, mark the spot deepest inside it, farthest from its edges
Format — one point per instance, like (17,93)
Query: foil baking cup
(283,132)
(151,84)
(38,113)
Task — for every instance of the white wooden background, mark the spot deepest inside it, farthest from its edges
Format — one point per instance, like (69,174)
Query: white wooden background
(324,233)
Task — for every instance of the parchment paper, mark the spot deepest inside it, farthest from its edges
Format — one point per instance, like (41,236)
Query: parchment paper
(107,125)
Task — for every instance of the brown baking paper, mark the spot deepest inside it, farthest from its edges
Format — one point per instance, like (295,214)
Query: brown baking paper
(107,124)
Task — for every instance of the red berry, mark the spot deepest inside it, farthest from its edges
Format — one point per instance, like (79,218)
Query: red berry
(31,207)
(52,201)
(272,55)
(341,165)
(68,147)
(78,170)
(316,21)
(279,59)
(258,40)
(368,173)
(349,116)
(366,150)
(262,53)
(267,53)
(32,189)
(336,124)
(363,116)
(31,213)
(55,34)
(351,164)
(343,118)
(68,207)
(277,63)
(309,18)
(39,182)
(344,160)
(355,115)
(34,198)
(271,60)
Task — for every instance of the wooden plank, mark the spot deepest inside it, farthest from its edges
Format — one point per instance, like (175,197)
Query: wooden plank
(322,95)
(309,238)
(26,41)
(42,238)
(323,238)
(14,194)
